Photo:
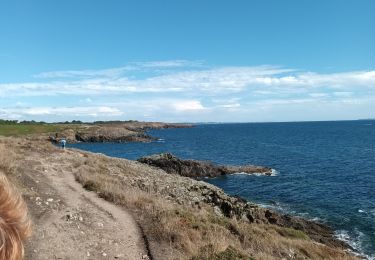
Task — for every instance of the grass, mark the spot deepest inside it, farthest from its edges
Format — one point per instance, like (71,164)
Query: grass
(7,160)
(8,166)
(292,233)
(25,129)
(18,130)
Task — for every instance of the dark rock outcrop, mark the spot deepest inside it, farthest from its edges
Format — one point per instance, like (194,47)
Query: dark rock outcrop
(198,169)
(102,138)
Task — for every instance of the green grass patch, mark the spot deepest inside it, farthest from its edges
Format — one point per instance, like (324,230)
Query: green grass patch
(25,129)
(292,233)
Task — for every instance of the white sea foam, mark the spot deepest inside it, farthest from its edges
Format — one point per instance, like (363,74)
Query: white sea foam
(285,209)
(273,173)
(276,206)
(354,241)
(241,173)
(343,235)
(245,173)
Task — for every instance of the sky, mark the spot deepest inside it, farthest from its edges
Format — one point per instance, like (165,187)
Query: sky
(187,61)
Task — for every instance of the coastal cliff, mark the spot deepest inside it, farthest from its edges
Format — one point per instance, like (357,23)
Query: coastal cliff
(112,132)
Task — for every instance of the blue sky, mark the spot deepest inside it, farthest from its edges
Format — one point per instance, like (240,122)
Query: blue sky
(240,61)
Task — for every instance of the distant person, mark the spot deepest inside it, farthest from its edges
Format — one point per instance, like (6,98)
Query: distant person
(63,143)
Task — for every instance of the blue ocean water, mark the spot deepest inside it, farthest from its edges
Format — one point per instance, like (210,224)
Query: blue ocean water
(326,170)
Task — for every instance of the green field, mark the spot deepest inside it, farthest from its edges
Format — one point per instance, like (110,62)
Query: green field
(25,129)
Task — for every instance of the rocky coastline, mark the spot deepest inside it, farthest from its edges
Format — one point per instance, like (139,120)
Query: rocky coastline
(112,132)
(180,181)
(199,169)
(234,206)
(171,208)
(240,209)
(197,192)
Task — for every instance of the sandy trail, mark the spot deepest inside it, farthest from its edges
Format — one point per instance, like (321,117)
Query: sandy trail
(72,223)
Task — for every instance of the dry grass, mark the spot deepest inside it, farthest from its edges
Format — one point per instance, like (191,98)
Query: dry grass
(8,160)
(11,159)
(181,232)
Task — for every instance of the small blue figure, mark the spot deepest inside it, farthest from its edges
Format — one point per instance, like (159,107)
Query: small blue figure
(63,143)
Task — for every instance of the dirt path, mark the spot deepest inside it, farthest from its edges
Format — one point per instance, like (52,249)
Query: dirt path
(72,223)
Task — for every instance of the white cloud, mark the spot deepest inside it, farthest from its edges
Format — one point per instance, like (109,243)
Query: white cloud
(334,80)
(234,105)
(9,114)
(183,89)
(118,72)
(20,112)
(167,64)
(318,95)
(86,100)
(115,72)
(261,80)
(343,94)
(189,105)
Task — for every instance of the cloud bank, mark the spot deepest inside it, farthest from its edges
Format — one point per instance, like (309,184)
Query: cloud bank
(181,90)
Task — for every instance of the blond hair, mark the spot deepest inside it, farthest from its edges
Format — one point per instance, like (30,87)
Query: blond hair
(15,225)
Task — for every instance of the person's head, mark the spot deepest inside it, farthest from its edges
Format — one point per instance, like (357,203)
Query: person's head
(15,224)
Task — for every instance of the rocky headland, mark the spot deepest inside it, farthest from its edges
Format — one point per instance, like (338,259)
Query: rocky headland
(112,132)
(199,169)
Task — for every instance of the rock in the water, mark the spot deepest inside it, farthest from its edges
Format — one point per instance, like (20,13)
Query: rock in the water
(198,169)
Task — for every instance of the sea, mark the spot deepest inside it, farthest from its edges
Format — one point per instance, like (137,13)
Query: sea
(324,171)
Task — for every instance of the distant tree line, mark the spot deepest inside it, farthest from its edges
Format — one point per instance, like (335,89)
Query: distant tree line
(113,122)
(73,122)
(8,122)
(96,122)
(16,122)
